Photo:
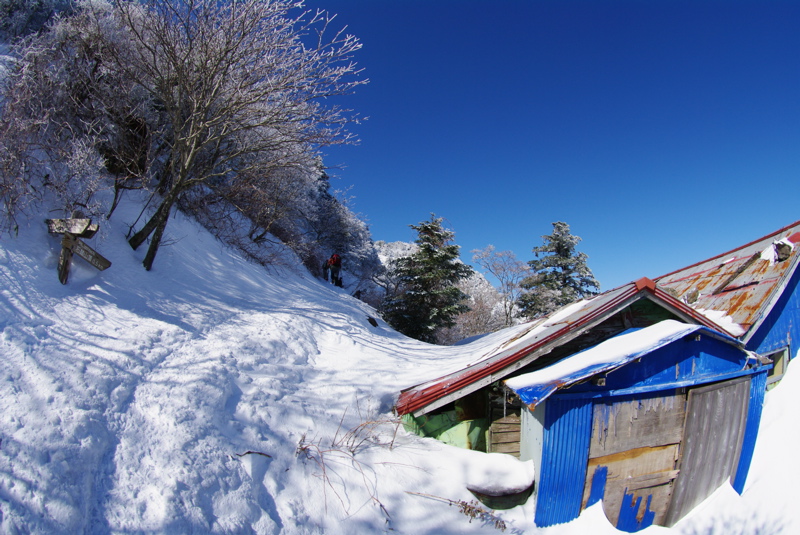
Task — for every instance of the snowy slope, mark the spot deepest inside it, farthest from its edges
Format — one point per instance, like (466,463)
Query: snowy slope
(213,396)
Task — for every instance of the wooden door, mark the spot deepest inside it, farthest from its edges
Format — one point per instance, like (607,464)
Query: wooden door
(636,445)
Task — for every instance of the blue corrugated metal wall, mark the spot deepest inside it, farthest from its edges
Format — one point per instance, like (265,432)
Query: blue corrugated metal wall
(781,327)
(568,430)
(758,387)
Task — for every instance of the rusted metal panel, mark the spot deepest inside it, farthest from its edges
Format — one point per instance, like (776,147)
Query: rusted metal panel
(742,283)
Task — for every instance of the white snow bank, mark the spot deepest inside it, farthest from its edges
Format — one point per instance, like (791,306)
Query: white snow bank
(212,396)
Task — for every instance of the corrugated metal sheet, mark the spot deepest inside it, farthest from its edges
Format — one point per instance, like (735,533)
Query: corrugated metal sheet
(531,390)
(716,416)
(742,283)
(758,389)
(566,448)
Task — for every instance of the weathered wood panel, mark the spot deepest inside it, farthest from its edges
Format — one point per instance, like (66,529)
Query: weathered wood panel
(645,473)
(715,423)
(509,437)
(90,255)
(504,435)
(638,443)
(511,448)
(625,425)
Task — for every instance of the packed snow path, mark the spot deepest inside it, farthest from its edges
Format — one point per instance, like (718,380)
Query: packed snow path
(213,396)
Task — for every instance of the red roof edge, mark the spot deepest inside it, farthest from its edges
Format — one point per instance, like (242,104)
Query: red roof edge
(645,284)
(411,400)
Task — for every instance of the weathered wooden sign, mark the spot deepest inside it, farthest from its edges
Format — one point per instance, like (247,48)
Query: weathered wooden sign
(83,227)
(72,230)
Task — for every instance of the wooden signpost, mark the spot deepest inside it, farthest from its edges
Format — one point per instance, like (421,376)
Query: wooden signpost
(72,230)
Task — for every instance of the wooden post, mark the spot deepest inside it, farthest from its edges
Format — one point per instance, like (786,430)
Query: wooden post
(72,230)
(65,258)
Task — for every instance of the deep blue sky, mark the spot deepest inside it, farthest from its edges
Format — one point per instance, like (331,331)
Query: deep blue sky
(662,132)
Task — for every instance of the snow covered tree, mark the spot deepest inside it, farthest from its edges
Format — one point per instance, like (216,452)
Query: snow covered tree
(485,314)
(428,297)
(509,272)
(560,275)
(241,86)
(23,17)
(64,117)
(209,92)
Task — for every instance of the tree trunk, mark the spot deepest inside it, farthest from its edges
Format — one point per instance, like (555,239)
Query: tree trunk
(155,242)
(161,215)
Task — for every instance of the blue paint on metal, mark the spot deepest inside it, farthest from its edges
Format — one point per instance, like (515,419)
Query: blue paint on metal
(758,388)
(538,392)
(598,489)
(575,393)
(565,452)
(628,510)
(782,324)
(694,357)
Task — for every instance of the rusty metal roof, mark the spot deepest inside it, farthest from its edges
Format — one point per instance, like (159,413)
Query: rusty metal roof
(742,284)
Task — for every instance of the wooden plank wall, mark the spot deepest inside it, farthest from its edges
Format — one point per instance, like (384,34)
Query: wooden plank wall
(505,426)
(504,435)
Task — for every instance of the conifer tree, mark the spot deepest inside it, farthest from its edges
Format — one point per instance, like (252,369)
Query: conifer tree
(427,298)
(560,274)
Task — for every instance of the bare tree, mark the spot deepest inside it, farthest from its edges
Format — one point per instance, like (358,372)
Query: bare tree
(484,315)
(509,272)
(239,86)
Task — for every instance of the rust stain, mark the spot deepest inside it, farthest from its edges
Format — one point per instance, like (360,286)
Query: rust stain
(627,455)
(739,283)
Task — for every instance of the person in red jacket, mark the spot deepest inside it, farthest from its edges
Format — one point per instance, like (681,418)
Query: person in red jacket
(334,265)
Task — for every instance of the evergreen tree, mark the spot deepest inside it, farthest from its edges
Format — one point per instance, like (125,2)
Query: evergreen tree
(560,275)
(428,298)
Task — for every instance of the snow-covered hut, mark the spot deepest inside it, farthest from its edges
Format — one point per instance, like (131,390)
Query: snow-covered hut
(651,421)
(745,309)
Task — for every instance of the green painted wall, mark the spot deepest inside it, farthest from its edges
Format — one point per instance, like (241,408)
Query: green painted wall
(462,425)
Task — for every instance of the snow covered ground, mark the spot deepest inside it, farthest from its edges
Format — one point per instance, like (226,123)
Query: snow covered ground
(213,396)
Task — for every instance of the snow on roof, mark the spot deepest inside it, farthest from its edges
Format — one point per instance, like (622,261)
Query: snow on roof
(521,347)
(505,341)
(533,388)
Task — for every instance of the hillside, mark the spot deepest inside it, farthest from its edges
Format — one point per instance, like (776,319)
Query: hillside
(213,396)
